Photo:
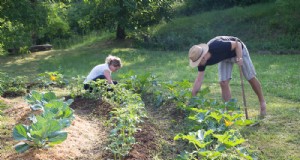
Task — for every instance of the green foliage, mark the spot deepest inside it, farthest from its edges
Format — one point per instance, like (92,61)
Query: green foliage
(76,86)
(56,25)
(51,106)
(54,78)
(42,134)
(14,35)
(23,19)
(212,135)
(27,23)
(12,86)
(126,14)
(138,83)
(196,6)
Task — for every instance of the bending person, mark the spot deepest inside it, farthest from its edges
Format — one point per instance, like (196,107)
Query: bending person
(225,50)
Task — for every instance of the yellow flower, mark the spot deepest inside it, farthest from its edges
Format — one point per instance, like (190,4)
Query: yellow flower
(53,78)
(228,123)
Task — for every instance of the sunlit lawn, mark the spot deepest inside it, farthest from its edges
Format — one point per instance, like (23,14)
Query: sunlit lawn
(277,136)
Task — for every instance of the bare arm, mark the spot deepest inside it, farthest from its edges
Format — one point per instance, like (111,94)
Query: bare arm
(108,77)
(237,46)
(198,83)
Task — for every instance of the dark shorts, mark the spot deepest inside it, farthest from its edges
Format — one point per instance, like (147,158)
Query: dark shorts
(88,87)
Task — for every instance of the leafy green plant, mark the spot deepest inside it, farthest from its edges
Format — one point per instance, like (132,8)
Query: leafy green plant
(46,128)
(54,78)
(43,133)
(76,86)
(12,86)
(138,83)
(212,134)
(51,106)
(124,119)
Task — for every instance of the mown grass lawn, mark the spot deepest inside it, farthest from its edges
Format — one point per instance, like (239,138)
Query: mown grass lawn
(277,136)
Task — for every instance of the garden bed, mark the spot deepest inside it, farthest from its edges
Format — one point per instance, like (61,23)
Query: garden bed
(87,136)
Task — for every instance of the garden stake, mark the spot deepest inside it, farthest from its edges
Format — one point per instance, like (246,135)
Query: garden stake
(243,92)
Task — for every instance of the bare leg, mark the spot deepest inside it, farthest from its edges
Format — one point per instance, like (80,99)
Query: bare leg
(226,93)
(257,89)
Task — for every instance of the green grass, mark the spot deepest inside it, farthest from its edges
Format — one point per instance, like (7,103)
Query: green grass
(264,27)
(278,134)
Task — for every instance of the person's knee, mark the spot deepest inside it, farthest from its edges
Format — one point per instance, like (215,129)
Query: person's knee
(253,80)
(224,84)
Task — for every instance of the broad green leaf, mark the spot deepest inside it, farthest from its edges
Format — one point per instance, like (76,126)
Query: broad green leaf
(69,101)
(57,137)
(21,147)
(20,132)
(53,105)
(199,110)
(209,132)
(216,116)
(229,139)
(210,154)
(244,122)
(200,117)
(178,136)
(211,125)
(192,139)
(233,117)
(221,148)
(44,127)
(65,122)
(34,97)
(235,142)
(53,126)
(49,96)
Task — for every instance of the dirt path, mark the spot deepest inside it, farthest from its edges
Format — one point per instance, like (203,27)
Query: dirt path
(156,140)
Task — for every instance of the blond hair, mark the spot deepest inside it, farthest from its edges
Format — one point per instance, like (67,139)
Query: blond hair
(113,60)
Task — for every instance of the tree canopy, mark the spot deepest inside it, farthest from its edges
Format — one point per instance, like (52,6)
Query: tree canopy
(29,22)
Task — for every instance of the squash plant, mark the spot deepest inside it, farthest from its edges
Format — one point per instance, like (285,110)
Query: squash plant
(211,131)
(54,78)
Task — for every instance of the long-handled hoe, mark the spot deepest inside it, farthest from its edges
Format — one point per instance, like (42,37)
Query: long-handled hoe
(243,92)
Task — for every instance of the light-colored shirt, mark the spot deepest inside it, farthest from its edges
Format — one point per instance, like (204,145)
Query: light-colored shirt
(97,71)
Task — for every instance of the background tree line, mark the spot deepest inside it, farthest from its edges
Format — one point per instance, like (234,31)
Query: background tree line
(29,22)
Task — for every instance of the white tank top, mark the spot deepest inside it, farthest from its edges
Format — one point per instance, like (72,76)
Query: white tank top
(97,71)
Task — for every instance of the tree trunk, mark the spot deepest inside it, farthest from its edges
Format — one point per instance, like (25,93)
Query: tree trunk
(120,32)
(121,21)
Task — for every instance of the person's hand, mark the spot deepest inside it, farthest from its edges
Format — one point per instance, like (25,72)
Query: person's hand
(239,61)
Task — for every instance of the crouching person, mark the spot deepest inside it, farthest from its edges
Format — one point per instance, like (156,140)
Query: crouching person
(103,71)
